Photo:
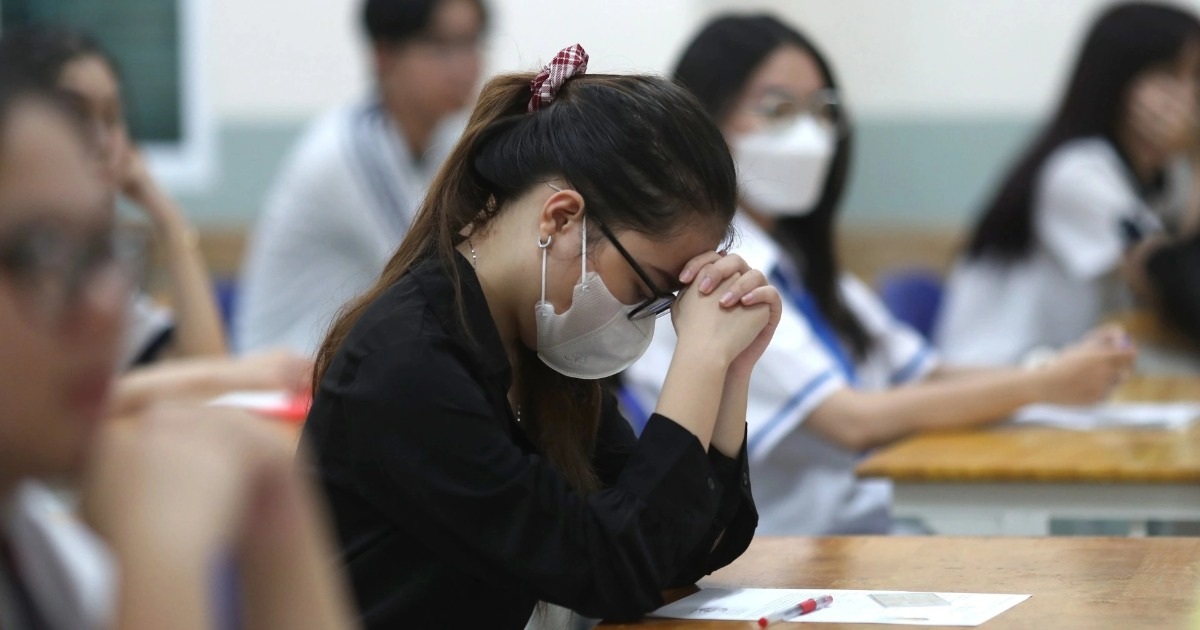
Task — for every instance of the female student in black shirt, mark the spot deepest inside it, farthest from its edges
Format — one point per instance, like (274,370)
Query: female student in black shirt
(460,432)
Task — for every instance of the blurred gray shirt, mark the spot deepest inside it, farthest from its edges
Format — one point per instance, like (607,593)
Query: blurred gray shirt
(337,212)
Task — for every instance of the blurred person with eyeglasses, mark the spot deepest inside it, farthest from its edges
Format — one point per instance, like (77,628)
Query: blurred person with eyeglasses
(345,197)
(842,375)
(176,354)
(161,499)
(64,58)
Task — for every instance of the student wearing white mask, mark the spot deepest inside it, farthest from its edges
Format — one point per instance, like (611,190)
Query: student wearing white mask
(841,375)
(460,429)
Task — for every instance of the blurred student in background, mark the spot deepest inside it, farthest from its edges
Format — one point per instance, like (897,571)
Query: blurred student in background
(166,355)
(1044,262)
(842,375)
(347,194)
(462,437)
(163,499)
(73,61)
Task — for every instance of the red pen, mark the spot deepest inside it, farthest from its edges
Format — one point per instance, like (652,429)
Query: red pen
(803,608)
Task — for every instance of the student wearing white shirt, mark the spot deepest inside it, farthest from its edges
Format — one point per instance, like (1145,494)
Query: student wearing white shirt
(1044,263)
(162,498)
(841,375)
(345,197)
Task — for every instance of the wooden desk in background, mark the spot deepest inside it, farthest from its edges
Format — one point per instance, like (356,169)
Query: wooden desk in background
(1085,583)
(1013,480)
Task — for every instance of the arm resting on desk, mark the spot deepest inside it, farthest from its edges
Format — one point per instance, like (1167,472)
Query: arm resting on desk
(860,420)
(201,379)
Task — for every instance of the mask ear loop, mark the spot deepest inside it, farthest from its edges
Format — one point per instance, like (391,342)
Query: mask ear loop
(583,262)
(544,246)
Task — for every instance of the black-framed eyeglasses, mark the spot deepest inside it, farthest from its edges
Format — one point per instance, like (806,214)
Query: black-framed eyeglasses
(51,266)
(656,306)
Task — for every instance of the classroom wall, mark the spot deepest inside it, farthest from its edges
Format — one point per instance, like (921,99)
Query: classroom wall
(919,59)
(944,91)
(291,59)
(275,64)
(281,61)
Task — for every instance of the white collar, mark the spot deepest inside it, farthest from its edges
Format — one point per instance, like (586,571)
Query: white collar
(68,570)
(759,249)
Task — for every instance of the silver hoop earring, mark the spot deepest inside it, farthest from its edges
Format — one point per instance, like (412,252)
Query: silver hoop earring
(549,239)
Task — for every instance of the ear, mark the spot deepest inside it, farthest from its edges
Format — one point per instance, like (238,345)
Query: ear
(559,212)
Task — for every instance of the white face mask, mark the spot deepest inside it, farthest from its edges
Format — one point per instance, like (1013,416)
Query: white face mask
(782,171)
(594,338)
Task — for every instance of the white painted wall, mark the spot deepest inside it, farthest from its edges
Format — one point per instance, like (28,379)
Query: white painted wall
(282,59)
(943,58)
(288,59)
(619,35)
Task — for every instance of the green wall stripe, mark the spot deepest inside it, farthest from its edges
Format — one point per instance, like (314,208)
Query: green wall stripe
(930,172)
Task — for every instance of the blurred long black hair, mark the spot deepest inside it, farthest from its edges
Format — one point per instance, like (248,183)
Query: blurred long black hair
(1125,41)
(716,66)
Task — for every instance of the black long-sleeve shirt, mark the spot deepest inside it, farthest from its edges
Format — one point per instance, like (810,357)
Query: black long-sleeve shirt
(445,511)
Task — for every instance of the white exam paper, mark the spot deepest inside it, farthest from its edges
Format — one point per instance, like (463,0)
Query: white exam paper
(1111,415)
(264,400)
(750,604)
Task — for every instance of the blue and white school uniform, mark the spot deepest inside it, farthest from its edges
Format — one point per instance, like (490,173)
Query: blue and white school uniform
(803,483)
(994,313)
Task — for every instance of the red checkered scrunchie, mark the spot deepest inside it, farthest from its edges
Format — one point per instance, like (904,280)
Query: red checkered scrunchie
(569,62)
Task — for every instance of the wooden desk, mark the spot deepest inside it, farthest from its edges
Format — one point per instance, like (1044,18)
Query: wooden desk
(1084,583)
(1014,480)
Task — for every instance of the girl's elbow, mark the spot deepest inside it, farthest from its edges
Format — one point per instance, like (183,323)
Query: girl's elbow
(851,424)
(859,435)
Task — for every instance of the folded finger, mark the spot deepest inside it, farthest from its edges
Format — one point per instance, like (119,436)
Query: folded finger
(712,275)
(747,282)
(692,269)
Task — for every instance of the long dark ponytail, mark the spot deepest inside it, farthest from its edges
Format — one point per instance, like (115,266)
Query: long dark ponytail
(643,154)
